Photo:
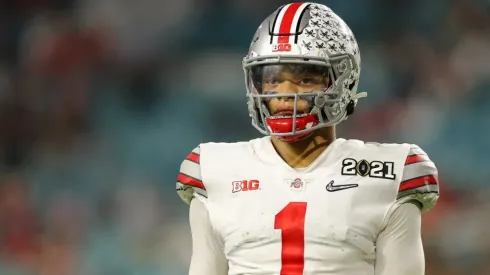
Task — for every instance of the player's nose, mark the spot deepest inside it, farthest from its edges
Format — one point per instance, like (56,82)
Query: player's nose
(287,87)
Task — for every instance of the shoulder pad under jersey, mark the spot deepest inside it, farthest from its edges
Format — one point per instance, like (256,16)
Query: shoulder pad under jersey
(189,181)
(420,179)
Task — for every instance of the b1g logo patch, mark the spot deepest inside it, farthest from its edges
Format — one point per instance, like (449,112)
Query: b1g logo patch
(281,47)
(364,168)
(245,185)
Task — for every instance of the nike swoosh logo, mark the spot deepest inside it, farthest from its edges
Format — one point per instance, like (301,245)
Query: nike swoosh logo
(333,188)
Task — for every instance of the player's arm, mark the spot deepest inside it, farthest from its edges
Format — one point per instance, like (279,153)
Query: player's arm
(399,248)
(207,249)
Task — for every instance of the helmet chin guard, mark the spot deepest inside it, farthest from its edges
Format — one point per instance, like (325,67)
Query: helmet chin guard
(284,125)
(303,35)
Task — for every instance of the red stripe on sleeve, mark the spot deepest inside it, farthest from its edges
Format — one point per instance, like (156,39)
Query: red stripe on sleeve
(418,182)
(187,180)
(286,22)
(194,157)
(416,158)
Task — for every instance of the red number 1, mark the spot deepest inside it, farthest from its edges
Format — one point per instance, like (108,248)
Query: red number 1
(291,221)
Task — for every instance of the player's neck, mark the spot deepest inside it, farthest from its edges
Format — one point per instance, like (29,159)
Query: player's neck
(302,153)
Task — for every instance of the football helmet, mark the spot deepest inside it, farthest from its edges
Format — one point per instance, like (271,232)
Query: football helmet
(305,35)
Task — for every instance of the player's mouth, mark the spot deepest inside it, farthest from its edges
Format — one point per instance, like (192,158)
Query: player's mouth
(288,114)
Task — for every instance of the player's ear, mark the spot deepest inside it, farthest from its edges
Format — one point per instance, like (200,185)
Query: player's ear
(326,80)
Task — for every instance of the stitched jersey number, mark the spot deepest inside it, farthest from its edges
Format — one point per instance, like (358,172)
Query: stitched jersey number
(291,221)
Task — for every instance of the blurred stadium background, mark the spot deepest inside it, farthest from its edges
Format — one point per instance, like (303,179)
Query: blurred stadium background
(100,101)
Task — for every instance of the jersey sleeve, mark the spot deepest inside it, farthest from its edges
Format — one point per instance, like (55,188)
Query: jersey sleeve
(420,179)
(401,237)
(189,181)
(208,257)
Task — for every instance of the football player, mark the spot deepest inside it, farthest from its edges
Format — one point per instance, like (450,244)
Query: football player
(299,200)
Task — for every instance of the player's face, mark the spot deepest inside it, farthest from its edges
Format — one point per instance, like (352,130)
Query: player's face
(292,79)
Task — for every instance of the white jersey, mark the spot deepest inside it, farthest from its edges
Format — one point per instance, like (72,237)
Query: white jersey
(324,219)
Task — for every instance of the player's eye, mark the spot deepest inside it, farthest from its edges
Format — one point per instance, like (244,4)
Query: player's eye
(306,81)
(272,81)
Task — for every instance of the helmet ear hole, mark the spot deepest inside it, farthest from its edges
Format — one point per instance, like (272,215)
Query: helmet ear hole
(350,108)
(352,85)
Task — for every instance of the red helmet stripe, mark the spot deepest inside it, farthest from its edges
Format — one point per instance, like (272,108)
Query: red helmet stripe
(289,21)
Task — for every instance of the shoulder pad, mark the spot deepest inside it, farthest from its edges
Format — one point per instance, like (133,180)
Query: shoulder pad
(189,181)
(420,179)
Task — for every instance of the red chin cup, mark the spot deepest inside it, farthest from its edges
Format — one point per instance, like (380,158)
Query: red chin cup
(285,125)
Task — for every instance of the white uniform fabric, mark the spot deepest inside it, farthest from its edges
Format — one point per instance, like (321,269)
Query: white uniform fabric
(341,215)
(399,247)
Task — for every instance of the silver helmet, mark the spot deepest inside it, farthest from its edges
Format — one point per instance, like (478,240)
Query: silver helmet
(303,35)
